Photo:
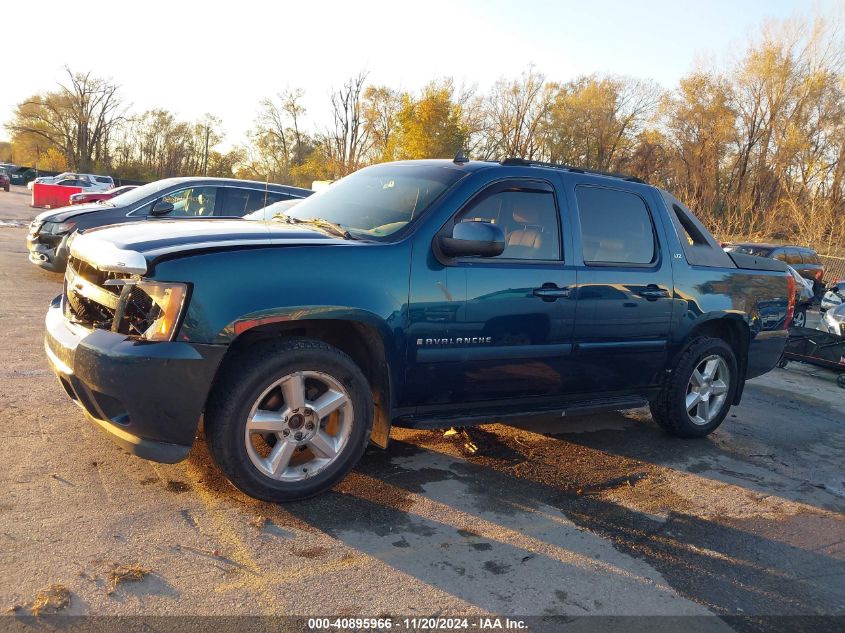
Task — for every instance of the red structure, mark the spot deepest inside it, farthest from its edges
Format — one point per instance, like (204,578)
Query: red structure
(52,196)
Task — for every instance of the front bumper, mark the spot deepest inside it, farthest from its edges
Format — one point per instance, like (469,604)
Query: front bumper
(147,397)
(52,257)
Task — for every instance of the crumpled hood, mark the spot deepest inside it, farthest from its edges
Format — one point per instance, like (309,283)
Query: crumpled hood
(128,247)
(65,213)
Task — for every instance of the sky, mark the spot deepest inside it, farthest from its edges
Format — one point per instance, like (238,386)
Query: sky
(223,57)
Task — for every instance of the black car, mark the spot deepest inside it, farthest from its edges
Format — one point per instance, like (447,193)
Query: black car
(168,198)
(5,179)
(802,258)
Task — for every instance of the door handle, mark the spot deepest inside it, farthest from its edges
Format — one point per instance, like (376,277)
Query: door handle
(550,292)
(653,293)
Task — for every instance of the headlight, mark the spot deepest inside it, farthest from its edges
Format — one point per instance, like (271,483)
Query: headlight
(58,228)
(167,302)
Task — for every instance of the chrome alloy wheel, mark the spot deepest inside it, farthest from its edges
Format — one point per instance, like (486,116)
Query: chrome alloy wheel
(298,426)
(707,389)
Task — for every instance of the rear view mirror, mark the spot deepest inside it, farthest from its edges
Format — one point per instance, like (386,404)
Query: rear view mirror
(161,208)
(473,239)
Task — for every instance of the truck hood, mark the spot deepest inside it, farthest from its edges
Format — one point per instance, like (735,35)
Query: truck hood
(129,248)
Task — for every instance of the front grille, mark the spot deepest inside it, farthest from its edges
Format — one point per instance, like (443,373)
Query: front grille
(87,299)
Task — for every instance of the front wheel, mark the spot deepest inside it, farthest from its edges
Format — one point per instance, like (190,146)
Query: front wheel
(697,395)
(289,419)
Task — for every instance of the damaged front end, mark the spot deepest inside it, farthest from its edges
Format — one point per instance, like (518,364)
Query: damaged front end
(110,340)
(122,303)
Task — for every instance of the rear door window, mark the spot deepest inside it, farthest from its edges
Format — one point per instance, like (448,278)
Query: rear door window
(793,257)
(237,201)
(616,227)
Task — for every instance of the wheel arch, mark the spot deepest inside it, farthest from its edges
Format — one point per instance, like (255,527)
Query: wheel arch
(370,346)
(730,328)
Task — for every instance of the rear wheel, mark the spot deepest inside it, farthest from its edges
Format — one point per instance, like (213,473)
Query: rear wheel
(696,396)
(799,319)
(289,420)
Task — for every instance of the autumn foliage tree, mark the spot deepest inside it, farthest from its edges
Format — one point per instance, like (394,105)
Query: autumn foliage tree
(756,147)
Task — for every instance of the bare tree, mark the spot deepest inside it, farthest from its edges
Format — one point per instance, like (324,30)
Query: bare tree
(514,115)
(77,119)
(348,140)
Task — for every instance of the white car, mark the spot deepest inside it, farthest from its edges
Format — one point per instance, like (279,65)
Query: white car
(272,210)
(833,321)
(833,298)
(94,182)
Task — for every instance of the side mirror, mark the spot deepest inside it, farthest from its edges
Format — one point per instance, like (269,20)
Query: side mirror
(473,239)
(161,208)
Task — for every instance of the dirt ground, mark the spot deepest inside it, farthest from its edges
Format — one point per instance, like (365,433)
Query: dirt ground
(603,515)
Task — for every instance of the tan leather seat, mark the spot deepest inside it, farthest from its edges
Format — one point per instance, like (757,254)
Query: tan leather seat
(527,242)
(531,233)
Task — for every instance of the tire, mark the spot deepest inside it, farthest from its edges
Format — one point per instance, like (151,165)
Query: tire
(669,409)
(245,388)
(782,363)
(799,319)
(840,380)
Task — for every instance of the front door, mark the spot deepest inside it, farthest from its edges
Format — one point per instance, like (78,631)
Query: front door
(497,328)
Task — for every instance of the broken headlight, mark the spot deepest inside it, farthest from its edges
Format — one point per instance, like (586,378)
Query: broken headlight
(149,309)
(167,300)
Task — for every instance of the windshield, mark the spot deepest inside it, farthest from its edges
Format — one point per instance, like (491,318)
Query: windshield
(139,193)
(380,200)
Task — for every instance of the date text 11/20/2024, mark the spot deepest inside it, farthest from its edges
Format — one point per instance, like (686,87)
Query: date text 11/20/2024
(440,624)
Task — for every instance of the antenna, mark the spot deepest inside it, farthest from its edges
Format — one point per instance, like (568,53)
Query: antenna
(460,158)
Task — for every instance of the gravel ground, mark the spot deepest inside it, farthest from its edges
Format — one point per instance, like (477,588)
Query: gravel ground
(603,515)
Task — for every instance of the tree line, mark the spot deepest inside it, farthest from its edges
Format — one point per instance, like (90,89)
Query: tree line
(756,148)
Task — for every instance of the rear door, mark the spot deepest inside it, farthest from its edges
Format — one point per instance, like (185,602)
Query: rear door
(624,294)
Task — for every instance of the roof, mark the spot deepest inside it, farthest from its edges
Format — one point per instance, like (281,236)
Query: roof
(478,165)
(232,181)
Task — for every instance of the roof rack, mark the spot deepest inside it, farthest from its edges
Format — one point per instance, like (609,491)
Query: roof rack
(576,170)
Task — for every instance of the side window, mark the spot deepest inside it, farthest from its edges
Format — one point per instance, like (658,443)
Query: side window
(195,201)
(793,257)
(616,227)
(238,202)
(809,257)
(779,254)
(528,217)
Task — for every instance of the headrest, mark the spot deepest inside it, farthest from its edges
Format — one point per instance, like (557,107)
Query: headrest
(526,216)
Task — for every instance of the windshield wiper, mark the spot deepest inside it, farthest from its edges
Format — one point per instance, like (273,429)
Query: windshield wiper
(331,227)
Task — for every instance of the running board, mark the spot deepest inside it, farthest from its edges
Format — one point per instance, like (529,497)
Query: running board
(584,407)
